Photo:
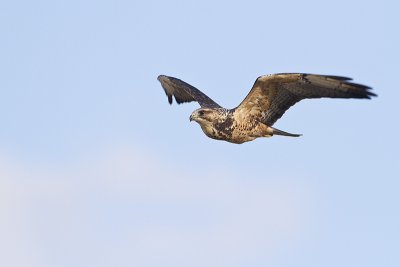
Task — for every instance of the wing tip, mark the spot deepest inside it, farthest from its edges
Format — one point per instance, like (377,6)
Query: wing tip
(371,94)
(160,77)
(366,94)
(163,80)
(363,91)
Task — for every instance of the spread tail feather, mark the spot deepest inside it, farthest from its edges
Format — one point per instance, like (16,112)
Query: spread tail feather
(279,132)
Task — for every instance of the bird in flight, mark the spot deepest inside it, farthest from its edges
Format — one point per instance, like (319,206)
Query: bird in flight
(267,101)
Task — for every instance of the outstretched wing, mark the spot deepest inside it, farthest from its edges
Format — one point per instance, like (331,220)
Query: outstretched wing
(272,95)
(184,92)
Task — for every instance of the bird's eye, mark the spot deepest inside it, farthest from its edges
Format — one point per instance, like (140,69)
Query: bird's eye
(201,113)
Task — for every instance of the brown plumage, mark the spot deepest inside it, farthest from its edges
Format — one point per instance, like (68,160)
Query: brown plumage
(267,101)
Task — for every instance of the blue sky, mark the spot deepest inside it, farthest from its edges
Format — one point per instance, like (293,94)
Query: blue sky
(97,169)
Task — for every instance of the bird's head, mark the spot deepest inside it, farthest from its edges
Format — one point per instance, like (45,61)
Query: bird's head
(204,115)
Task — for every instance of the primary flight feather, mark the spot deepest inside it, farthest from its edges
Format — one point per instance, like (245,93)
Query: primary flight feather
(267,101)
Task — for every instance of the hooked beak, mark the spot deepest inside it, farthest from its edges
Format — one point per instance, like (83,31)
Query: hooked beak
(190,118)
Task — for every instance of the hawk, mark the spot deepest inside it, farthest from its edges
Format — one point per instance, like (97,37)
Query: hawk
(269,98)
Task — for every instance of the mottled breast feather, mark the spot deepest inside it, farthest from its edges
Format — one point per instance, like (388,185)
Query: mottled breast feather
(225,124)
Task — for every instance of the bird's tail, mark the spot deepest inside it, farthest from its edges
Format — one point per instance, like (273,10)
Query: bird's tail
(279,132)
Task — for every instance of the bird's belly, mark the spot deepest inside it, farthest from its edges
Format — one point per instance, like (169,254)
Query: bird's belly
(249,132)
(238,133)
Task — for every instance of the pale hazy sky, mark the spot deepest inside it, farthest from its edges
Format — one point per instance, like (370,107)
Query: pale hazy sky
(97,169)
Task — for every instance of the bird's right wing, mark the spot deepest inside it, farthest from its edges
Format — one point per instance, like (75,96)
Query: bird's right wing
(272,95)
(184,92)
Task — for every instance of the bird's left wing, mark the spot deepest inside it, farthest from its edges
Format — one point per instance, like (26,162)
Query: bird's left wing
(184,92)
(272,95)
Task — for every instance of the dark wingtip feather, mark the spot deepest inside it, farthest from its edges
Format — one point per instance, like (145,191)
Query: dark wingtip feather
(370,94)
(361,86)
(363,90)
(340,78)
(160,78)
(366,94)
(366,90)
